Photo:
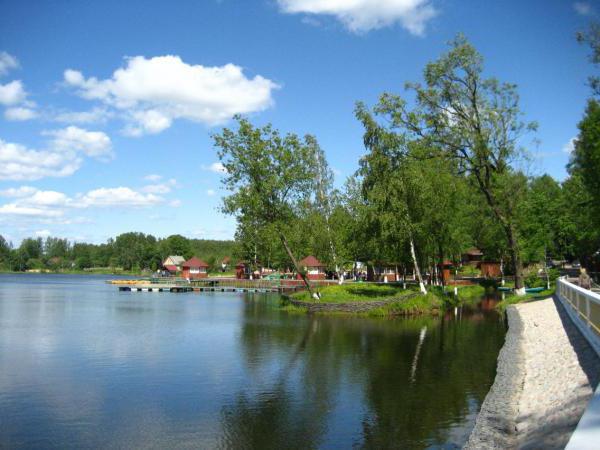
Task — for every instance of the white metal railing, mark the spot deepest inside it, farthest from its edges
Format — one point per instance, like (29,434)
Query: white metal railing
(584,308)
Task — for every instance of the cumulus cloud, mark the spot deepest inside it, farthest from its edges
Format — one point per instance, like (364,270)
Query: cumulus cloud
(7,63)
(42,233)
(210,192)
(18,162)
(119,196)
(14,209)
(52,206)
(20,113)
(22,191)
(61,157)
(12,93)
(153,177)
(360,16)
(583,8)
(95,144)
(153,92)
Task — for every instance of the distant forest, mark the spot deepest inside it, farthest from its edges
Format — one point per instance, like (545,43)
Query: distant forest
(132,252)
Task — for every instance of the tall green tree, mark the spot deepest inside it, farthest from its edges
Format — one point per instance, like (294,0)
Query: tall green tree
(592,38)
(268,175)
(472,120)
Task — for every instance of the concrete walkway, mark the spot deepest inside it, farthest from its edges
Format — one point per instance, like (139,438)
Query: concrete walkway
(546,375)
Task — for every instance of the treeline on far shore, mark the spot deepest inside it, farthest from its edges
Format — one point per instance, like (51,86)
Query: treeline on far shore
(128,252)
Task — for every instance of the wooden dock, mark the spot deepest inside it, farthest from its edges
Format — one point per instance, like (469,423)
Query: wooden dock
(190,288)
(177,285)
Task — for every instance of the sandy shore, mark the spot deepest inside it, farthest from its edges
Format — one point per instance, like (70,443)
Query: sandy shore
(546,374)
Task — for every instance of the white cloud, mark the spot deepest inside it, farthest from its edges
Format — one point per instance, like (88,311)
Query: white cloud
(42,233)
(7,63)
(360,16)
(175,203)
(583,8)
(61,158)
(46,199)
(20,113)
(210,192)
(22,191)
(153,92)
(569,146)
(153,177)
(215,167)
(160,188)
(14,209)
(95,144)
(12,93)
(18,162)
(95,115)
(118,197)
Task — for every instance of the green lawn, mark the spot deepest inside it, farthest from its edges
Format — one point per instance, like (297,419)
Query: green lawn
(354,292)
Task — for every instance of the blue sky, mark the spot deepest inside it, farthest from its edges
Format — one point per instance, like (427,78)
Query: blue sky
(107,107)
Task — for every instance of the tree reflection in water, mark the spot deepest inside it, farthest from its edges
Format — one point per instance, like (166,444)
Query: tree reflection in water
(346,381)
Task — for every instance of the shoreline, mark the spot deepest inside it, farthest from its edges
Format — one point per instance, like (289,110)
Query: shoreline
(546,374)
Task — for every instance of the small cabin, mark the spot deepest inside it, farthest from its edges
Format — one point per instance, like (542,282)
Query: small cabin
(490,269)
(314,269)
(195,268)
(472,256)
(173,264)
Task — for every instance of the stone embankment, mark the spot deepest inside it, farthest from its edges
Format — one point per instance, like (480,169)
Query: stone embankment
(547,372)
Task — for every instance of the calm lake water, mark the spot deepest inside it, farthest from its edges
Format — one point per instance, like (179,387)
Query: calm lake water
(83,365)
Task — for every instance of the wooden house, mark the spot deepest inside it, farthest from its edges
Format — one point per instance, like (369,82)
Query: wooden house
(314,269)
(194,268)
(173,264)
(490,269)
(472,256)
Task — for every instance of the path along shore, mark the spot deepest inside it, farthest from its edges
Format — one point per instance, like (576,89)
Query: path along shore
(546,374)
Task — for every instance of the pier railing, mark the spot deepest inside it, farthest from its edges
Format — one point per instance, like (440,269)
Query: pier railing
(583,306)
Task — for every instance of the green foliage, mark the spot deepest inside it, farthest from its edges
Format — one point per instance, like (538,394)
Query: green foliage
(516,299)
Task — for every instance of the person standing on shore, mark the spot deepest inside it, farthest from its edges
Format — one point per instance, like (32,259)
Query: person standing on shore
(584,279)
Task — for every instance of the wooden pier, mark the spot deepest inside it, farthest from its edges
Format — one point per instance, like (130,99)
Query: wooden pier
(175,285)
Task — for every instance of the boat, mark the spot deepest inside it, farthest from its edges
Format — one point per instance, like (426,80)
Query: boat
(535,290)
(504,288)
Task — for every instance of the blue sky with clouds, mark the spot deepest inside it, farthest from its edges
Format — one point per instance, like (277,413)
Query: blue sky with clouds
(107,107)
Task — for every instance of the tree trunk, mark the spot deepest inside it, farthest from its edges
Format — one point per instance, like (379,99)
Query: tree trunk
(517,263)
(313,294)
(416,267)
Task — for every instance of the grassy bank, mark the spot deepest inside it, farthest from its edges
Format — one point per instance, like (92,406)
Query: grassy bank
(401,301)
(514,299)
(354,292)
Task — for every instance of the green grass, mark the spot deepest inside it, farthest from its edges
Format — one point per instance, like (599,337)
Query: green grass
(354,292)
(429,303)
(515,299)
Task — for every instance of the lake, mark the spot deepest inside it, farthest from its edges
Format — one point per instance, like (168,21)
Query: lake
(84,365)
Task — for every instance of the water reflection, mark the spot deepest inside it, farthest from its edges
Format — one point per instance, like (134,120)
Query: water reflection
(82,365)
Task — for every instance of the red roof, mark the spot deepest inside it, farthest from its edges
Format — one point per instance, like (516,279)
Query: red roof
(311,261)
(171,268)
(194,262)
